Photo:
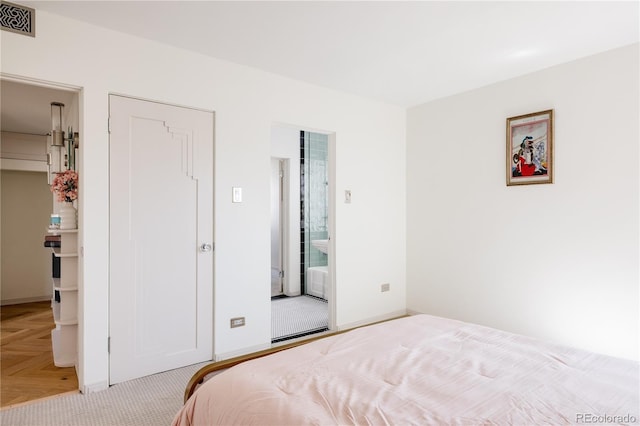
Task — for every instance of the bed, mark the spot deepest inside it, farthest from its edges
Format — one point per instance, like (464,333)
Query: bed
(421,370)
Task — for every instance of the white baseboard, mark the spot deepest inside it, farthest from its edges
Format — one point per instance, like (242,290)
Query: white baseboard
(95,387)
(371,320)
(25,300)
(412,312)
(240,352)
(252,349)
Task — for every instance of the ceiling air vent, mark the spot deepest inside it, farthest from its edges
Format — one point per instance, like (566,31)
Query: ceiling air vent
(17,19)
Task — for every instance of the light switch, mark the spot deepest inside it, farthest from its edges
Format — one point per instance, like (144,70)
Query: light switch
(237,194)
(347,196)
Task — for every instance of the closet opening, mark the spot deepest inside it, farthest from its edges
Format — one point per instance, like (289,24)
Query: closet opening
(38,358)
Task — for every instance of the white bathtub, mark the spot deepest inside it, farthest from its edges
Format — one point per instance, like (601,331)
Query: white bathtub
(317,281)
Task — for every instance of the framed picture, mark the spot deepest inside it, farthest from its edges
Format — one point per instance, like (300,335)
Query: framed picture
(530,148)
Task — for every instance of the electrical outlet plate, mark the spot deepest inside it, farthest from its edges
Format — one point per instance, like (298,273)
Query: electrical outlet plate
(385,287)
(237,322)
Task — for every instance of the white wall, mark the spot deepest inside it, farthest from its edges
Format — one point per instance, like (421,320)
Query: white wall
(370,160)
(26,263)
(556,261)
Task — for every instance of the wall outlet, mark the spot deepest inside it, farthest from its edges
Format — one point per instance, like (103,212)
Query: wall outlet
(385,287)
(237,322)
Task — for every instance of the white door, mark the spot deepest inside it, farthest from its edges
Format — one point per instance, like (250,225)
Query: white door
(161,237)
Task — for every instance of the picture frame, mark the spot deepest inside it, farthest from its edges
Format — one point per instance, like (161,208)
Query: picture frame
(530,148)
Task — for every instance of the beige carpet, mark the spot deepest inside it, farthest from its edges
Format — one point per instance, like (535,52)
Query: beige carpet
(152,401)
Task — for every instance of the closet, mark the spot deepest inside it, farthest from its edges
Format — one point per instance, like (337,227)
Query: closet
(40,264)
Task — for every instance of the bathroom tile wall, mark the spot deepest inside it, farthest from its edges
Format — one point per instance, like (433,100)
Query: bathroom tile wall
(314,207)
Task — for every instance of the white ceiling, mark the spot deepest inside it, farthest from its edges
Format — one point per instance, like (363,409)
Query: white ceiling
(404,53)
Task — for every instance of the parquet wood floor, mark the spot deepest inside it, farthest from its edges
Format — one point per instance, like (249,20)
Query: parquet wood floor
(27,371)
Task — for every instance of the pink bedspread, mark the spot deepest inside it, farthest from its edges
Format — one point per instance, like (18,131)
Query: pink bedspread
(421,370)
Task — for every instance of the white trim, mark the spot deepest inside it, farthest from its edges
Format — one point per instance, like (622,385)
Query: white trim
(372,320)
(302,128)
(78,90)
(95,387)
(155,101)
(331,285)
(38,82)
(240,352)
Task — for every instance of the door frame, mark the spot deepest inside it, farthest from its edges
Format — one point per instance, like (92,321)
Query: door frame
(283,222)
(332,229)
(79,93)
(331,299)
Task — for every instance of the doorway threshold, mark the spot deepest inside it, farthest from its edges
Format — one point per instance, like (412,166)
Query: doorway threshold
(279,296)
(298,335)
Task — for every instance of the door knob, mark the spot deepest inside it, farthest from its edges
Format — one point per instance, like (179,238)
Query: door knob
(206,247)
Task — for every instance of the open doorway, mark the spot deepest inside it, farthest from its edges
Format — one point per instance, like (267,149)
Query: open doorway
(300,233)
(28,296)
(279,181)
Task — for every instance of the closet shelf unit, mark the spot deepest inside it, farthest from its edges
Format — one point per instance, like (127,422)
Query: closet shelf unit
(64,337)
